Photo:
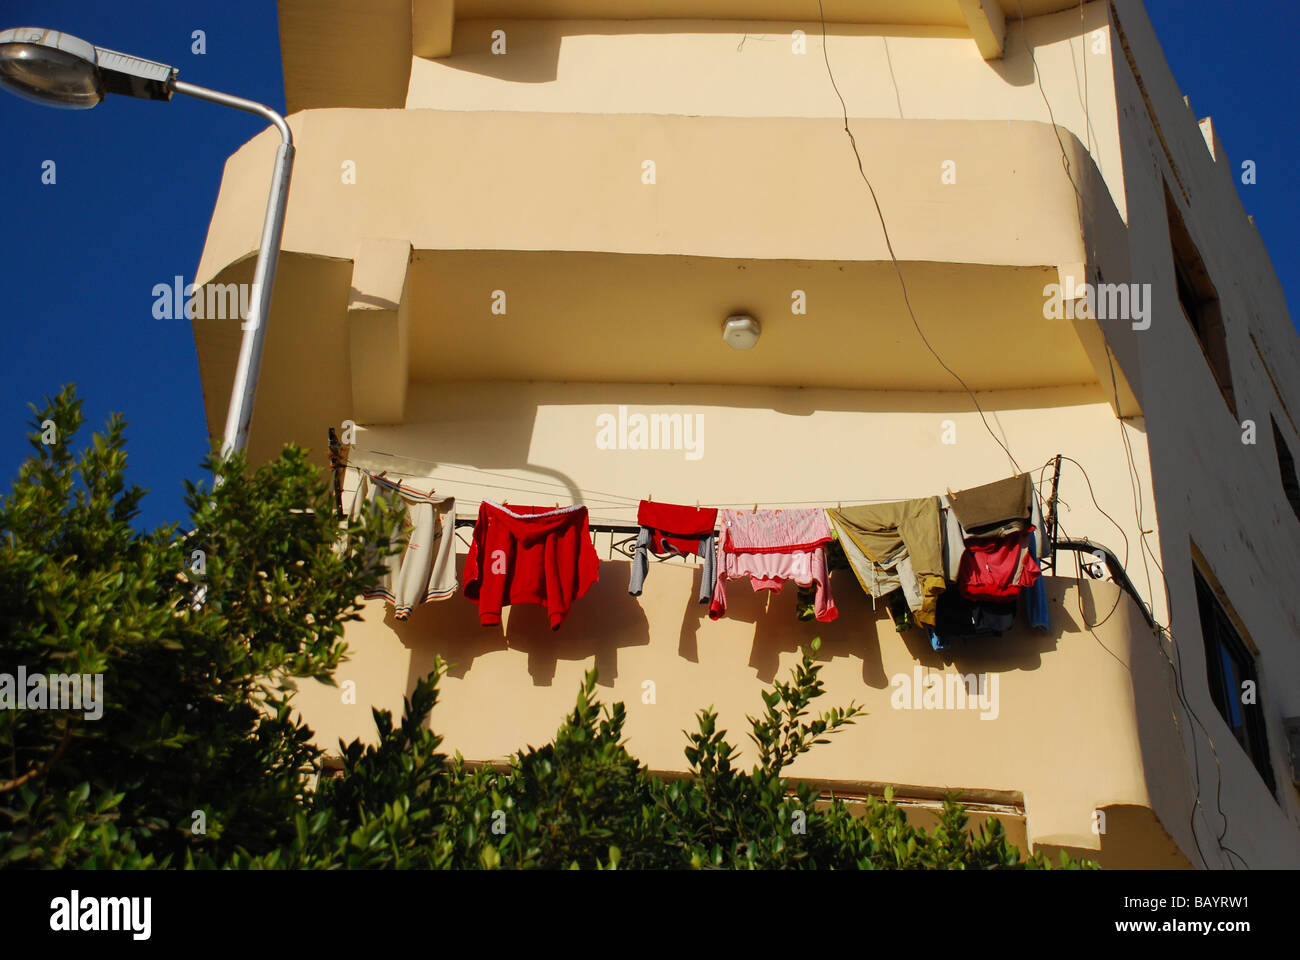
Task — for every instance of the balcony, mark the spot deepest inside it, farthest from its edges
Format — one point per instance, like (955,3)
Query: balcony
(390,280)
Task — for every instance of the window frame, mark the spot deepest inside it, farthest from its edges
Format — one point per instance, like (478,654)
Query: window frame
(1227,651)
(1286,466)
(1198,299)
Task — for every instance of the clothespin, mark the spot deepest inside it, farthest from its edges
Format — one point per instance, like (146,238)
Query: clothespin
(756,508)
(650,498)
(697,504)
(838,506)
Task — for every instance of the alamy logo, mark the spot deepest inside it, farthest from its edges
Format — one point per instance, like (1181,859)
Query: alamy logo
(212,301)
(75,913)
(656,431)
(946,691)
(1101,301)
(55,691)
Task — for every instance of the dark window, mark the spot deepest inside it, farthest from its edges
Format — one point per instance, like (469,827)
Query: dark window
(1229,663)
(1286,465)
(1200,302)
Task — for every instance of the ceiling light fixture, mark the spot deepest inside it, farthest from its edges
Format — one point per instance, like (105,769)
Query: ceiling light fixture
(741,331)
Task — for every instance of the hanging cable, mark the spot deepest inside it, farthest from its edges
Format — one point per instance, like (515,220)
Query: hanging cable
(890,247)
(1161,632)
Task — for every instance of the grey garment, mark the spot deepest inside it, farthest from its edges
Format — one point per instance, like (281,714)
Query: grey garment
(878,579)
(641,564)
(954,539)
(911,584)
(708,551)
(874,580)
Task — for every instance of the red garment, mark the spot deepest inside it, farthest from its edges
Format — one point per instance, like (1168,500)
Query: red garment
(997,568)
(682,528)
(529,555)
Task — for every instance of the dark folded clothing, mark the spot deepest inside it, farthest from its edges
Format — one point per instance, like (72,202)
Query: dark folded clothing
(994,509)
(960,617)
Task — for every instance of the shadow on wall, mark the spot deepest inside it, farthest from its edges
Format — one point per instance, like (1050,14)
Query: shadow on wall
(480,444)
(532,47)
(600,623)
(1016,66)
(1134,839)
(607,619)
(507,416)
(304,362)
(861,629)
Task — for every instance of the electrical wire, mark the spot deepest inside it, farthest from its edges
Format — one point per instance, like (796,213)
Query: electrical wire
(1134,474)
(1135,487)
(1115,523)
(1131,466)
(889,245)
(1179,691)
(1082,207)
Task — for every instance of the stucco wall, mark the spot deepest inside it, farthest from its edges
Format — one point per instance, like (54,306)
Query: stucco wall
(1211,488)
(539,151)
(1073,732)
(717,68)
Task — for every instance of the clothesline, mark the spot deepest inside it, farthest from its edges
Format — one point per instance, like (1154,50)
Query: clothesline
(911,553)
(622,502)
(953,565)
(611,501)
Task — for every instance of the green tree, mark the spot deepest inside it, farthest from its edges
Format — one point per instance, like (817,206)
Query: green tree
(196,751)
(198,758)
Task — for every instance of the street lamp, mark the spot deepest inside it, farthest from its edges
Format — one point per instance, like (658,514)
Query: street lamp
(60,70)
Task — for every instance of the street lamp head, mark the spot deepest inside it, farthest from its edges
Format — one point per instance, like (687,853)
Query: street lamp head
(49,67)
(60,70)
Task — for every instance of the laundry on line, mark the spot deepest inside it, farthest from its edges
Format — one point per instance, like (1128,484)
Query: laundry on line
(954,565)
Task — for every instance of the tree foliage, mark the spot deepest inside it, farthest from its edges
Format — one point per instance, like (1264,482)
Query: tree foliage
(200,760)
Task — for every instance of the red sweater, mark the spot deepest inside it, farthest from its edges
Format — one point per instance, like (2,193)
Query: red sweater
(529,555)
(997,568)
(681,528)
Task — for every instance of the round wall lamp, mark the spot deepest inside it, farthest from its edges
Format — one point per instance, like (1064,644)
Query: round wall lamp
(741,331)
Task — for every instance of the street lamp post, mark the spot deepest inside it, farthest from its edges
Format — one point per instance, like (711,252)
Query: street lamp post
(61,70)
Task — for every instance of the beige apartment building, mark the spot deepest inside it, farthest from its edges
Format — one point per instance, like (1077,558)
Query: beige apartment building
(513,224)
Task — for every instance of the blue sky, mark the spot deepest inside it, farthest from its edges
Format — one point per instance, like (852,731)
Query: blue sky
(136,183)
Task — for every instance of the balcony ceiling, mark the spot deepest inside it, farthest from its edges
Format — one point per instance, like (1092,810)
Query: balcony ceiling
(658,319)
(600,317)
(942,13)
(609,279)
(375,39)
